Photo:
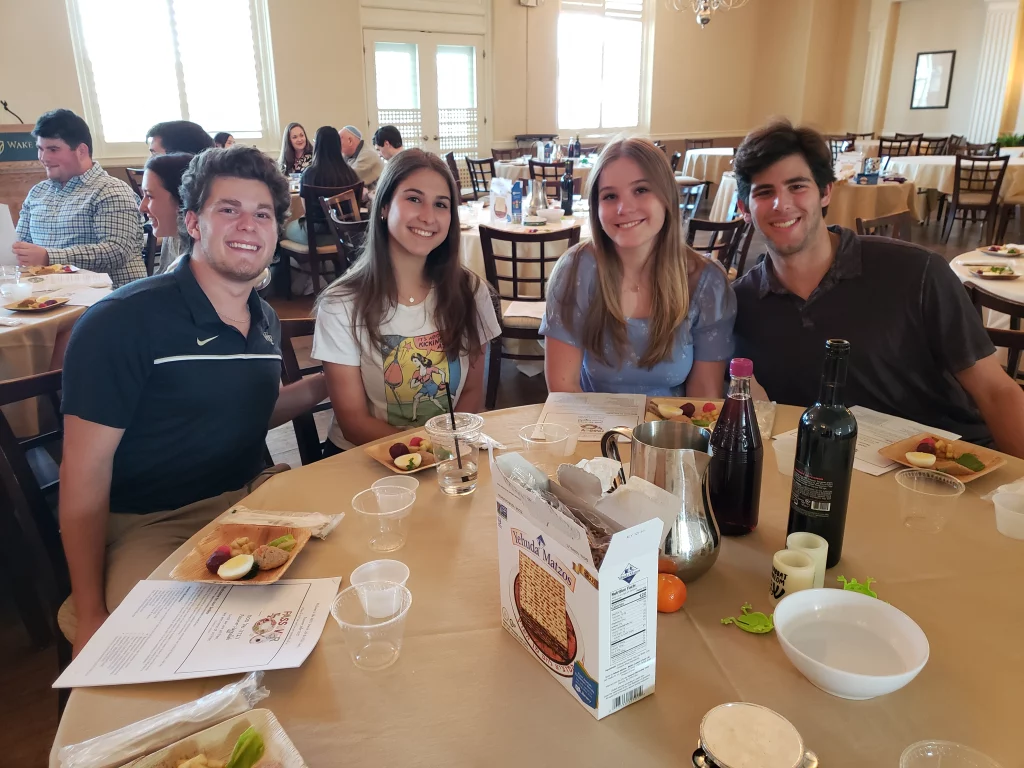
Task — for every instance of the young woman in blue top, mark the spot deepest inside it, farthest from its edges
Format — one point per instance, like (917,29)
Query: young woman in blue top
(634,309)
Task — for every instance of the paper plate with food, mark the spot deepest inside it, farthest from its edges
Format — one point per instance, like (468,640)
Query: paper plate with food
(993,272)
(37,304)
(254,739)
(405,456)
(1010,249)
(688,410)
(50,269)
(242,554)
(963,460)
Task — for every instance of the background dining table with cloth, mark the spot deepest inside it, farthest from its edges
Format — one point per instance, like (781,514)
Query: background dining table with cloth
(464,692)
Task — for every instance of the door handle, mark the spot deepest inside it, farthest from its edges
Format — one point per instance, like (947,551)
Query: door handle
(426,138)
(435,138)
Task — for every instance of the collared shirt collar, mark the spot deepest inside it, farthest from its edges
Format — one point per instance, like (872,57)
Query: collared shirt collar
(846,264)
(83,178)
(199,304)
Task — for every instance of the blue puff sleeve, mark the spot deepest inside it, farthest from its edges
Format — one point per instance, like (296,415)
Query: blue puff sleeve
(558,288)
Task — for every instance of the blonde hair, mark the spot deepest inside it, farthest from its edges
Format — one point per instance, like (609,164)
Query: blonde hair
(672,266)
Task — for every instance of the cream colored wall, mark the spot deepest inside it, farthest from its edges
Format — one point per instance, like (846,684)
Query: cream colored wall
(935,25)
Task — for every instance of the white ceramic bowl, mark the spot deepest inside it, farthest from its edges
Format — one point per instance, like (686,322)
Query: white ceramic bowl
(848,644)
(550,215)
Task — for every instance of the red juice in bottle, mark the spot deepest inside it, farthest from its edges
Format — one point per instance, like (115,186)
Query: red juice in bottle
(734,475)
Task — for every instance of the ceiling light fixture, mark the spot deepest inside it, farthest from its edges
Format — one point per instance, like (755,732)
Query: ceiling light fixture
(704,8)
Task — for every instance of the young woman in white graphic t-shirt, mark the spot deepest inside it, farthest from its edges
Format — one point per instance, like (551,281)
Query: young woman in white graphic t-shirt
(407,325)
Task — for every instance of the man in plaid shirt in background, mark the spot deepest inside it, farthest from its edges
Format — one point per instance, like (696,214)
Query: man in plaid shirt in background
(79,215)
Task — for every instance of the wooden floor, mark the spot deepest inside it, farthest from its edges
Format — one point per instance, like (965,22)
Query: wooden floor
(29,710)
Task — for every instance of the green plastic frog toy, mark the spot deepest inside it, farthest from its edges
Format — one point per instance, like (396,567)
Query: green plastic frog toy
(755,622)
(854,586)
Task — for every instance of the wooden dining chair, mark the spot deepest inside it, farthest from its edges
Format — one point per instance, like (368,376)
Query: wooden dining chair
(689,144)
(955,144)
(134,176)
(550,175)
(149,248)
(894,147)
(350,236)
(934,145)
(522,275)
(465,193)
(976,185)
(480,174)
(690,196)
(309,253)
(913,138)
(869,136)
(719,239)
(505,155)
(677,158)
(990,149)
(897,226)
(306,435)
(838,145)
(34,565)
(984,299)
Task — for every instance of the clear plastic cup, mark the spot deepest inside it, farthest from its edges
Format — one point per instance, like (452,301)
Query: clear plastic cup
(378,604)
(374,641)
(1010,514)
(785,454)
(927,498)
(456,451)
(402,481)
(944,754)
(545,446)
(385,514)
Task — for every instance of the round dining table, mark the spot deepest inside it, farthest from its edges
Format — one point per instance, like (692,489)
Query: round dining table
(464,692)
(707,164)
(520,169)
(869,201)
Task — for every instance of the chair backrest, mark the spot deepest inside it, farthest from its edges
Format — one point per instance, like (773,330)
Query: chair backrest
(350,236)
(1012,339)
(897,226)
(955,144)
(723,240)
(690,196)
(979,175)
(689,144)
(508,154)
(529,266)
(345,205)
(934,145)
(35,561)
(134,176)
(895,146)
(914,138)
(454,168)
(979,150)
(867,136)
(480,174)
(292,371)
(677,158)
(149,249)
(838,145)
(549,174)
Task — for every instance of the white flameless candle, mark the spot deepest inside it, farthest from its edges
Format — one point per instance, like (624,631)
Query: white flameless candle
(792,571)
(815,547)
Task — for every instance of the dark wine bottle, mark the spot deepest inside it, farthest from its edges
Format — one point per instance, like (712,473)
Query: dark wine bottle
(566,189)
(577,147)
(825,445)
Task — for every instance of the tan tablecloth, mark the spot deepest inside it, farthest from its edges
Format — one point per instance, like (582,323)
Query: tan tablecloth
(26,350)
(869,201)
(937,172)
(465,693)
(513,170)
(707,164)
(723,197)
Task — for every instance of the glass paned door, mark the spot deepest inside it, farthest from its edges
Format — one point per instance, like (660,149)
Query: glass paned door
(427,85)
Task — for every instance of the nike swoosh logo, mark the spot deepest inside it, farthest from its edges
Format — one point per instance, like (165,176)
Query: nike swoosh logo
(204,343)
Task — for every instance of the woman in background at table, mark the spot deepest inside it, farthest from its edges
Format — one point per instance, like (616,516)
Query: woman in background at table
(296,152)
(634,310)
(407,325)
(223,140)
(161,201)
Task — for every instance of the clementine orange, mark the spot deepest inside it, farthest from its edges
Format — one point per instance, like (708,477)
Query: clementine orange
(671,593)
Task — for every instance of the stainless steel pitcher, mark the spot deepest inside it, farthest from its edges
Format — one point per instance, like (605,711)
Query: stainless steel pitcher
(675,456)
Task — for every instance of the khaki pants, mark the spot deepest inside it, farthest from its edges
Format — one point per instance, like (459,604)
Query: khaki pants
(138,544)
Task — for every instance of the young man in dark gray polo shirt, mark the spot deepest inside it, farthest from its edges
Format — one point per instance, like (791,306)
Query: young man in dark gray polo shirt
(918,347)
(170,384)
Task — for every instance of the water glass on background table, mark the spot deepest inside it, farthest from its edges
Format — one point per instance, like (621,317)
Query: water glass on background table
(385,514)
(927,498)
(456,451)
(373,641)
(545,446)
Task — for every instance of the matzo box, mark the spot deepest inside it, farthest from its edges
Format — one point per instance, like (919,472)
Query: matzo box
(593,629)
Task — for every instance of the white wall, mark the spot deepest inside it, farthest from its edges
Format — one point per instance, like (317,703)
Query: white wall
(935,25)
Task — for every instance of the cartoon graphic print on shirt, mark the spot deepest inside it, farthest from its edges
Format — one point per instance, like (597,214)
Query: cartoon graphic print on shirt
(417,373)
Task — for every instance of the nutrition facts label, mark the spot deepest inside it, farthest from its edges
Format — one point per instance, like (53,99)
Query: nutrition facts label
(628,621)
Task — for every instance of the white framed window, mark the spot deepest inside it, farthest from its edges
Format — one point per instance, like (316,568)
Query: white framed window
(142,62)
(602,66)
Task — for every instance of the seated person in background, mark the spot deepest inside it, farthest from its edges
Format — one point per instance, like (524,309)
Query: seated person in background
(328,169)
(387,141)
(296,151)
(170,385)
(407,322)
(79,215)
(917,346)
(366,164)
(634,309)
(223,140)
(161,201)
(178,136)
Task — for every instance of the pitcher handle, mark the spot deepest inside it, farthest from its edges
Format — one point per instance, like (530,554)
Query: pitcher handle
(611,451)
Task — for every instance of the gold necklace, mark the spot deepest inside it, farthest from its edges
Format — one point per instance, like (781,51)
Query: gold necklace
(248,316)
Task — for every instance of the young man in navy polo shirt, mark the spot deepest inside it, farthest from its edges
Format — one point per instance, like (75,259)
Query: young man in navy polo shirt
(918,347)
(170,385)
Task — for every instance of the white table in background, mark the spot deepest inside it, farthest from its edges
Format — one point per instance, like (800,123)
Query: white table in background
(521,170)
(708,164)
(938,172)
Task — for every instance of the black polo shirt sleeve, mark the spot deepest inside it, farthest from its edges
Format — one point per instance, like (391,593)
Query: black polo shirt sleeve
(956,335)
(106,365)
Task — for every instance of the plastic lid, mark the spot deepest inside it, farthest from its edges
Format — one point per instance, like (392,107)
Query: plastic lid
(741,366)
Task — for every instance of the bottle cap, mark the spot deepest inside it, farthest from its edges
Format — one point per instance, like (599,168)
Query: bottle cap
(741,366)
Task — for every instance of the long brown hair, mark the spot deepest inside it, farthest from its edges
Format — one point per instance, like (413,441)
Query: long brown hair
(370,283)
(288,151)
(674,264)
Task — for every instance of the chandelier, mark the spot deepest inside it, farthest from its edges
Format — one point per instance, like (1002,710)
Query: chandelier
(704,8)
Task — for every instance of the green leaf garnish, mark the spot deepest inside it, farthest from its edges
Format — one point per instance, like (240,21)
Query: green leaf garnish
(971,461)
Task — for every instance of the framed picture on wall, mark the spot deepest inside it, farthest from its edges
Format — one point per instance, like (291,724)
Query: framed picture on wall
(933,79)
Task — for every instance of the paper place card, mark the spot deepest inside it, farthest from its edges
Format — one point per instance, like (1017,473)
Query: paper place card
(593,413)
(86,297)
